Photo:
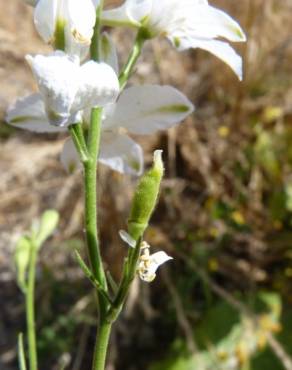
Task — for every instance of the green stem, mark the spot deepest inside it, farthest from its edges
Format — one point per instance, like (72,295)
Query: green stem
(129,274)
(77,135)
(95,46)
(90,169)
(101,345)
(133,57)
(30,310)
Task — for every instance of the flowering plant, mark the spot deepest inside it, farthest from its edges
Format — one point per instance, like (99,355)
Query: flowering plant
(82,92)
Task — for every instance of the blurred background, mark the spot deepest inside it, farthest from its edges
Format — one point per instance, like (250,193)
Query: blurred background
(225,211)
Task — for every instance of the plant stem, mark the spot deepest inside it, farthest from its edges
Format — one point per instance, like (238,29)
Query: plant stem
(128,276)
(21,354)
(30,310)
(77,135)
(96,39)
(133,57)
(101,345)
(90,169)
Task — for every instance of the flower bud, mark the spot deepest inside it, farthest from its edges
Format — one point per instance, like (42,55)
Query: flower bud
(145,198)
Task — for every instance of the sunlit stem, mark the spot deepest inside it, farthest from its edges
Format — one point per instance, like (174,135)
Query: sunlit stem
(129,274)
(77,136)
(132,60)
(108,312)
(95,46)
(30,309)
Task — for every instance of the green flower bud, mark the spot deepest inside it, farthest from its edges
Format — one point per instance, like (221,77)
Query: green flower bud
(145,197)
(47,226)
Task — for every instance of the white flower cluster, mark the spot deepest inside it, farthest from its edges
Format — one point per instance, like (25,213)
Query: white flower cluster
(70,84)
(186,23)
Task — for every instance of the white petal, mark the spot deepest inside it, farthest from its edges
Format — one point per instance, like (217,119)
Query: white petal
(121,153)
(76,16)
(56,78)
(159,258)
(193,19)
(45,18)
(109,52)
(131,13)
(29,113)
(147,268)
(222,50)
(137,10)
(146,109)
(99,86)
(69,157)
(210,22)
(127,238)
(96,3)
(82,17)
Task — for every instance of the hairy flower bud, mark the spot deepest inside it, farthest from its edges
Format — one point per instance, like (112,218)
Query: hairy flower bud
(145,198)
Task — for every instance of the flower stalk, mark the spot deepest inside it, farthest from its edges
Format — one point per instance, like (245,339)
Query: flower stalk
(95,46)
(30,308)
(133,58)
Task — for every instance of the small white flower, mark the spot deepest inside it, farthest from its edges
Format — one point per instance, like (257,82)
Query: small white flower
(187,24)
(67,88)
(149,263)
(138,110)
(75,17)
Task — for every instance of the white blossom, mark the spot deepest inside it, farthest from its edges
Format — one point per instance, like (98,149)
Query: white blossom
(149,263)
(67,88)
(187,24)
(74,19)
(138,110)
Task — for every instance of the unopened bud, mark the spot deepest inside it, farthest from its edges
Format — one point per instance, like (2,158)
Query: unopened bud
(145,197)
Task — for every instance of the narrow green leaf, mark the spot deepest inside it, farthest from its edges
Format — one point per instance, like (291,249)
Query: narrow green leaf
(88,273)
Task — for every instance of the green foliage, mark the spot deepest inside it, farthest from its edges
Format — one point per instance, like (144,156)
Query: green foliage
(229,340)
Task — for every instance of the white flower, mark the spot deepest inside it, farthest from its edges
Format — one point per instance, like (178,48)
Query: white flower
(72,20)
(67,88)
(138,110)
(148,263)
(187,24)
